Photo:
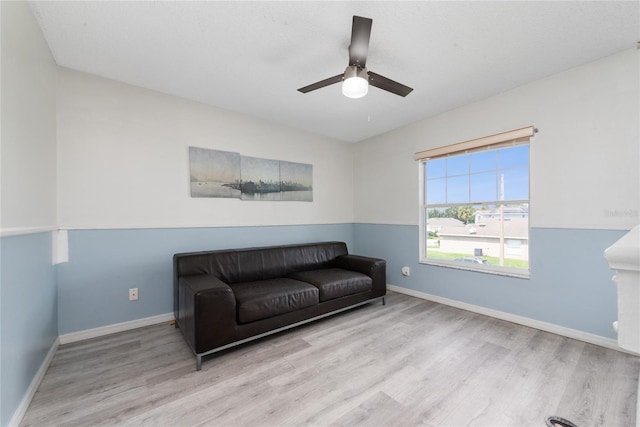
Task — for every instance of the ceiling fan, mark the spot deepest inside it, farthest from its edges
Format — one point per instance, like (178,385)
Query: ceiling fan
(356,78)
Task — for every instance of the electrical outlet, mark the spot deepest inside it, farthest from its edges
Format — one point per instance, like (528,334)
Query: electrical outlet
(406,271)
(133,294)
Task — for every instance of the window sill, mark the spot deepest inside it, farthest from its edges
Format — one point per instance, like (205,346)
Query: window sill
(498,271)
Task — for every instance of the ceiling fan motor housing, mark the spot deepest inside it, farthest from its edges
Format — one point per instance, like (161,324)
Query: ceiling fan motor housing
(355,71)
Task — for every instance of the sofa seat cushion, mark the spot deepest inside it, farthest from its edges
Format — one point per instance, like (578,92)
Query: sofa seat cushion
(268,298)
(335,282)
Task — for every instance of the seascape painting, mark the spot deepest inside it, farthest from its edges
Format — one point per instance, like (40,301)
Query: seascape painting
(260,179)
(296,181)
(214,173)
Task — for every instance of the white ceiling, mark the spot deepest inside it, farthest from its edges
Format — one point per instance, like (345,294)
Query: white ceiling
(250,57)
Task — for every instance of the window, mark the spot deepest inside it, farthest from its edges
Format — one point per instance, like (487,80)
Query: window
(475,204)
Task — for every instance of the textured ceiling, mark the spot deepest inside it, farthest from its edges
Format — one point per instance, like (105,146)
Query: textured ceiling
(250,57)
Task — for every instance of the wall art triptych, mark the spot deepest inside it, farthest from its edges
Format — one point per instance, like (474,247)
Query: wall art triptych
(216,173)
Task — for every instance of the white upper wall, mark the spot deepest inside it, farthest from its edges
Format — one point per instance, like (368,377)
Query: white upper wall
(123,161)
(585,160)
(28,150)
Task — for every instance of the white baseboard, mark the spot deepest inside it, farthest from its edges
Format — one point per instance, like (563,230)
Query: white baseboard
(112,329)
(33,387)
(513,318)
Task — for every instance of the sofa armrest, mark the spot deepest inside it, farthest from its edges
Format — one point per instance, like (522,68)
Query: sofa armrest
(375,268)
(207,312)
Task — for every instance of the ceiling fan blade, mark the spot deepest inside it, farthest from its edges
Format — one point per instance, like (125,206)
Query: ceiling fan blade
(322,83)
(389,85)
(359,47)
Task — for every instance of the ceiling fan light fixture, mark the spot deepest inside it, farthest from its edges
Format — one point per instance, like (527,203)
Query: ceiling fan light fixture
(356,82)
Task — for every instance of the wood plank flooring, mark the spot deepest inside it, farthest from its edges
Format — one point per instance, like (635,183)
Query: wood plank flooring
(411,362)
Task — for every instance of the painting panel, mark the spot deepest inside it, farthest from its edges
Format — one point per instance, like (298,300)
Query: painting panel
(214,173)
(296,181)
(260,179)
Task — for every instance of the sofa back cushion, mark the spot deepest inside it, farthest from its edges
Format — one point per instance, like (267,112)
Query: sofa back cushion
(247,265)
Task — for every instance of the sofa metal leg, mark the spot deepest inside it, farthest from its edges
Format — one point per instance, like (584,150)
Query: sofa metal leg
(384,301)
(198,362)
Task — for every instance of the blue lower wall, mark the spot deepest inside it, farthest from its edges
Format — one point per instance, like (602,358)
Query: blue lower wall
(570,283)
(28,315)
(104,264)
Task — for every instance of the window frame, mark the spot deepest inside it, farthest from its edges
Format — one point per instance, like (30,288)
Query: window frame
(470,147)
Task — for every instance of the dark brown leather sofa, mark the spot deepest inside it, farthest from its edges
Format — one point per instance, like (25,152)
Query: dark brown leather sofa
(228,297)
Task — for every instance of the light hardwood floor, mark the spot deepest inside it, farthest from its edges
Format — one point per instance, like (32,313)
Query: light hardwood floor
(411,362)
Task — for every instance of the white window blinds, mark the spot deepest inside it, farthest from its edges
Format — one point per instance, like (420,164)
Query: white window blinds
(497,140)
